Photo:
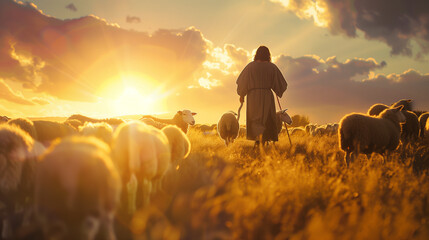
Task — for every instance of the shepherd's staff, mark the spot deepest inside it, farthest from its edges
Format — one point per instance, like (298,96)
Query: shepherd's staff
(280,106)
(239,109)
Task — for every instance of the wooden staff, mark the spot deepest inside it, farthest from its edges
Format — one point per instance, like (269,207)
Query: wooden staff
(280,106)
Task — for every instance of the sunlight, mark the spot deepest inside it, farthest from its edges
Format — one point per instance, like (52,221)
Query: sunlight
(135,95)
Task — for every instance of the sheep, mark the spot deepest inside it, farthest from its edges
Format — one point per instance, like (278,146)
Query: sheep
(4,119)
(359,133)
(242,131)
(228,127)
(77,190)
(182,119)
(17,166)
(282,116)
(47,131)
(406,103)
(376,109)
(297,131)
(100,130)
(178,142)
(73,123)
(309,128)
(83,119)
(26,125)
(142,155)
(411,127)
(422,121)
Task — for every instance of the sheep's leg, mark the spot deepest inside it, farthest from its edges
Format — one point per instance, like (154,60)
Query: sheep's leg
(347,158)
(132,193)
(147,189)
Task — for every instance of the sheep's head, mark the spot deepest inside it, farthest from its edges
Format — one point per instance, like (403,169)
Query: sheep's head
(406,103)
(187,116)
(394,113)
(284,117)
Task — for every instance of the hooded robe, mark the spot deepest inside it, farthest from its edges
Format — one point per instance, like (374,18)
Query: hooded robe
(256,81)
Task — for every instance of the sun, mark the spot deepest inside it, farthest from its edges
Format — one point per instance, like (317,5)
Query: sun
(134,95)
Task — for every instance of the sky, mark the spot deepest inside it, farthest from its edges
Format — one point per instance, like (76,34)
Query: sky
(105,58)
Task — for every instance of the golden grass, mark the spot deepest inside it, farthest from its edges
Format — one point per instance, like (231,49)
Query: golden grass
(303,191)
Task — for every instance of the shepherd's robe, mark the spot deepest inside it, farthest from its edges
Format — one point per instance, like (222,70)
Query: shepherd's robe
(256,81)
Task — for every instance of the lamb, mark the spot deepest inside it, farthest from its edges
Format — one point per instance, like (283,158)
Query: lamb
(26,125)
(17,166)
(47,131)
(73,123)
(406,103)
(359,133)
(422,121)
(100,130)
(228,127)
(182,119)
(77,190)
(282,116)
(309,128)
(178,142)
(142,155)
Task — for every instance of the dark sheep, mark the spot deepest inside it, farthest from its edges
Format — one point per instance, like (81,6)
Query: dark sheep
(228,127)
(411,127)
(359,133)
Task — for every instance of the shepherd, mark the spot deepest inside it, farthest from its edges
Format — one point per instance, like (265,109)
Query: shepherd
(256,81)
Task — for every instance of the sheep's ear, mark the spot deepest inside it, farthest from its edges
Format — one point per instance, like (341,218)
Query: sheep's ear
(180,112)
(194,113)
(283,111)
(409,100)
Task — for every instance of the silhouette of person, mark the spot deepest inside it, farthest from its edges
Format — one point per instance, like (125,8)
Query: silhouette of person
(256,81)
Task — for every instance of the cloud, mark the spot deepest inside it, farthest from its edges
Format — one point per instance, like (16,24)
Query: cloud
(8,94)
(71,7)
(87,58)
(394,23)
(133,19)
(327,89)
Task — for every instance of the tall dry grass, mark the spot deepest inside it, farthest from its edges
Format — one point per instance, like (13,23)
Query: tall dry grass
(303,191)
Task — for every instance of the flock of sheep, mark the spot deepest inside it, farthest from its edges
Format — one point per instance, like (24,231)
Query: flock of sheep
(77,179)
(81,178)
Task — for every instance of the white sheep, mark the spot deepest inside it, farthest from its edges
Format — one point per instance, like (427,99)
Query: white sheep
(100,130)
(179,143)
(26,125)
(142,155)
(17,166)
(361,133)
(77,190)
(181,119)
(282,116)
(228,127)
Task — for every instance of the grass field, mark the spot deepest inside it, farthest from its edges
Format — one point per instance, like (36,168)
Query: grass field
(303,191)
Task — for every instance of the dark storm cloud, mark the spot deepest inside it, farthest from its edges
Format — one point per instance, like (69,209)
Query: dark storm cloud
(394,22)
(71,7)
(133,19)
(73,59)
(344,87)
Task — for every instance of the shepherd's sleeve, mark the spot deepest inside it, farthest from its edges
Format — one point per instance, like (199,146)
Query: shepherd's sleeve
(280,84)
(242,82)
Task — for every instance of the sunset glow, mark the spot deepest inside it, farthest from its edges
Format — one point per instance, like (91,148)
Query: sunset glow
(140,57)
